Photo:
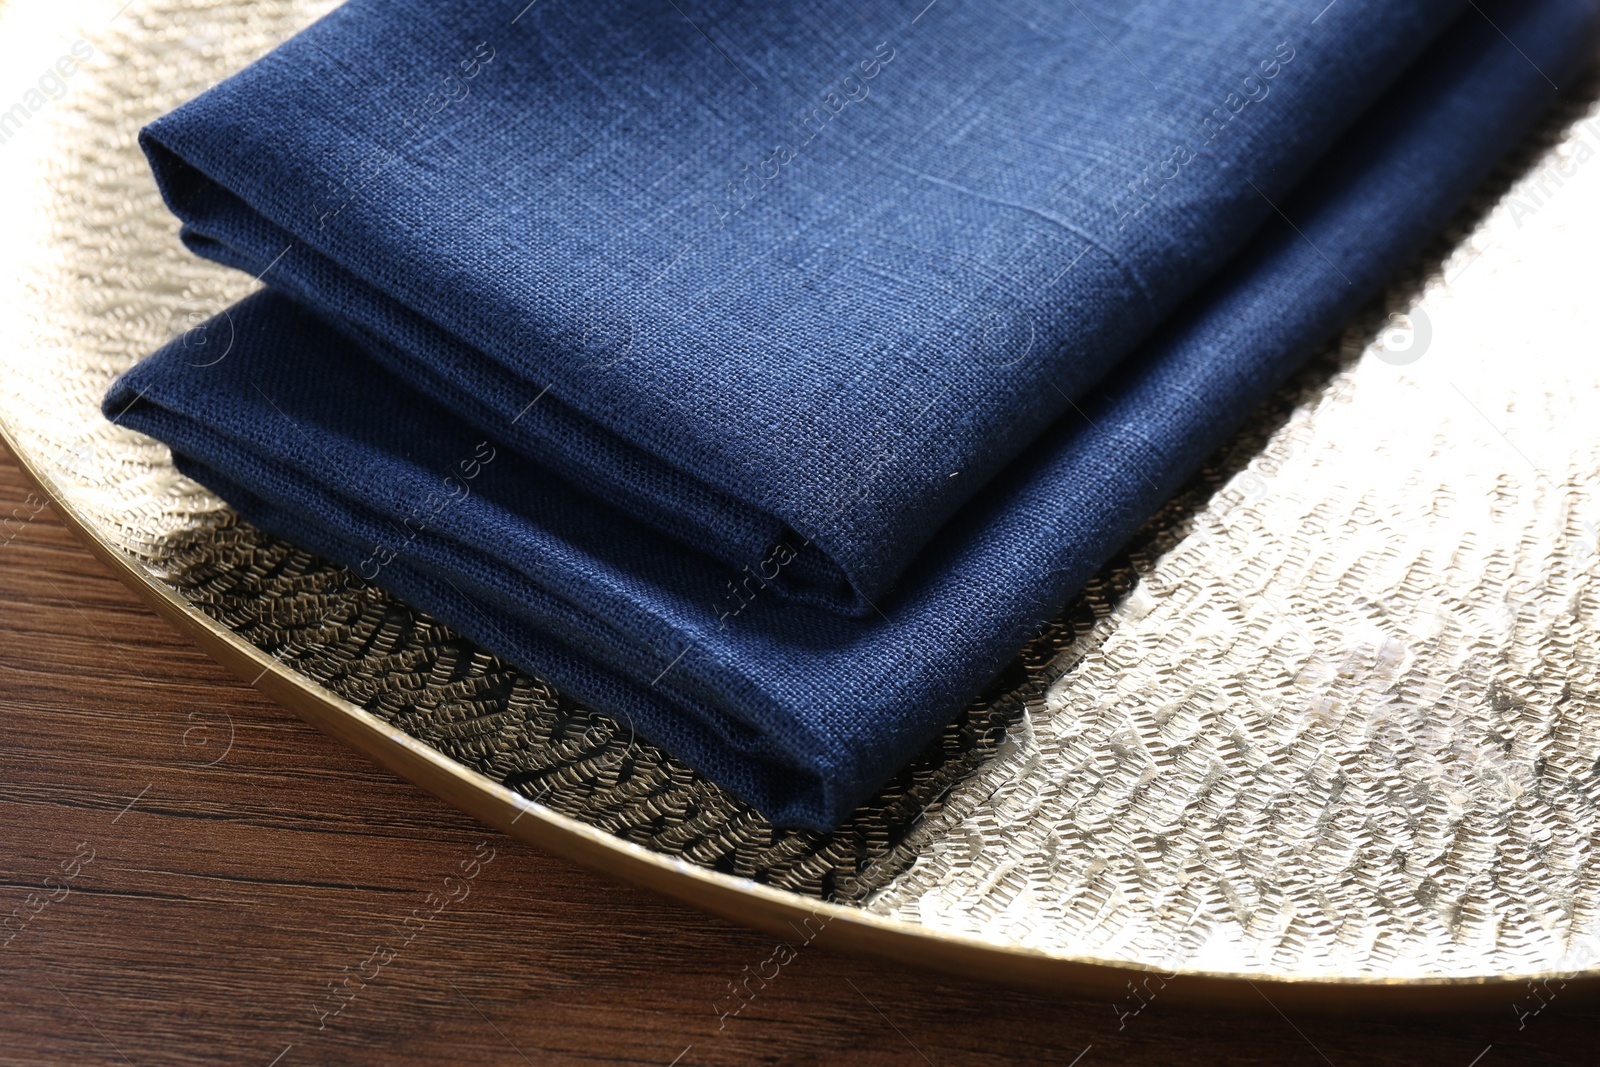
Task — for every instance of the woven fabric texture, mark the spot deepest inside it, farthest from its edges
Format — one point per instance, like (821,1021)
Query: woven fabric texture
(767,374)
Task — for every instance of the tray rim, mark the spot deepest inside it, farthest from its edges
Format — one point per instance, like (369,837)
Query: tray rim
(765,908)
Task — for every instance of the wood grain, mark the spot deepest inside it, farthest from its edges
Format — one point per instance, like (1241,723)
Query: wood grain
(200,878)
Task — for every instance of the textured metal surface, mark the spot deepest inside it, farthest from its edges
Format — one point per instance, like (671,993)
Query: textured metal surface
(1333,715)
(1350,724)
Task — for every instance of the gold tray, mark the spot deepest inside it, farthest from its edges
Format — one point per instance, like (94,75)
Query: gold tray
(1325,735)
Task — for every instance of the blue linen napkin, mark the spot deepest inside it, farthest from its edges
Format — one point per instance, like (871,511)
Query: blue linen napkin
(786,462)
(806,273)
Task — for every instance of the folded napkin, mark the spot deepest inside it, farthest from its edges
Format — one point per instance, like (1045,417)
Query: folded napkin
(767,374)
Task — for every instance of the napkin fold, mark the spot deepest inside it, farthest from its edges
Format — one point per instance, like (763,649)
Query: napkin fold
(769,374)
(806,273)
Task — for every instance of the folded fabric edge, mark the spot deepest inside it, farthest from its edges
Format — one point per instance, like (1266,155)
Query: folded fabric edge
(531,420)
(1408,231)
(562,587)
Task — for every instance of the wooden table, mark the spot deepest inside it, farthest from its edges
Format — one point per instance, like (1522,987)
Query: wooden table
(190,891)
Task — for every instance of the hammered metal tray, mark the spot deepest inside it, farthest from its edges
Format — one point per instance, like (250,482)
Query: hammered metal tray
(1329,729)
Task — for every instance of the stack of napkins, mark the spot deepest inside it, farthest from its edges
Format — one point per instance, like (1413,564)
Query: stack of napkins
(767,373)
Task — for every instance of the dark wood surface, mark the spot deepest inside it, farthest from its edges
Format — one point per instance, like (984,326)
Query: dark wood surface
(195,872)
